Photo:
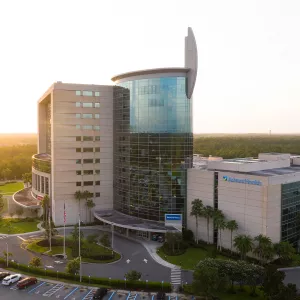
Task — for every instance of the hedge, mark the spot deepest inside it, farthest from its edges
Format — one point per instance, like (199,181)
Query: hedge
(115,283)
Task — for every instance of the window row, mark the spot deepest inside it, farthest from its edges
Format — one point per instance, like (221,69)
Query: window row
(96,149)
(87,116)
(87,104)
(87,172)
(87,138)
(88,161)
(87,183)
(88,127)
(87,93)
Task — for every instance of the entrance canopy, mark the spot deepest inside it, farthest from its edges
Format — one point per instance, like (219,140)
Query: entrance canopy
(116,218)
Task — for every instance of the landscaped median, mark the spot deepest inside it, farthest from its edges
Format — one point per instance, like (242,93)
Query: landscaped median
(91,252)
(114,283)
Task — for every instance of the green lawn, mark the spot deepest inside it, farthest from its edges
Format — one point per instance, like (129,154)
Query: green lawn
(189,259)
(241,295)
(4,208)
(95,249)
(17,226)
(11,188)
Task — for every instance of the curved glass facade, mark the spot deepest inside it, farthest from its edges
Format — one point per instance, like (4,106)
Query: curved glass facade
(153,146)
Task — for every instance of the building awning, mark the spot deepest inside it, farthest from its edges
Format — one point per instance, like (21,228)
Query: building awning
(116,218)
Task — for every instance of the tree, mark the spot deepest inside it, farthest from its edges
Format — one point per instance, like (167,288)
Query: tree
(287,292)
(35,262)
(264,248)
(232,226)
(86,195)
(220,224)
(284,250)
(208,213)
(1,201)
(105,241)
(272,281)
(92,238)
(19,211)
(26,177)
(78,196)
(75,239)
(171,240)
(7,255)
(6,173)
(207,280)
(197,211)
(90,204)
(133,275)
(45,205)
(50,230)
(73,266)
(243,243)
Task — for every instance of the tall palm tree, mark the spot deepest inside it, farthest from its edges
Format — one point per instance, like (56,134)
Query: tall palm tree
(284,250)
(78,196)
(45,205)
(232,226)
(90,204)
(208,212)
(220,224)
(196,211)
(86,195)
(244,244)
(264,247)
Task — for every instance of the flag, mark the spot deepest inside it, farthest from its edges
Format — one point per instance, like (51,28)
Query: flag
(65,215)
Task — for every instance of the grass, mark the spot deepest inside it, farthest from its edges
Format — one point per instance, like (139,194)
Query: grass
(189,259)
(241,295)
(11,188)
(17,226)
(95,250)
(5,206)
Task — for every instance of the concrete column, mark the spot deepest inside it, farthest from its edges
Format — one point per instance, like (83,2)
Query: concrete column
(149,235)
(127,232)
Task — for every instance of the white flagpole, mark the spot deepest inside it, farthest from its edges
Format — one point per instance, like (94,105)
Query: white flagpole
(64,229)
(50,230)
(79,251)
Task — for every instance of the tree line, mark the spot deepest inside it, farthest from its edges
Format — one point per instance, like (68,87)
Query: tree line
(231,146)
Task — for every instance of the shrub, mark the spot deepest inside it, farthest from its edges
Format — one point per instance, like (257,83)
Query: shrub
(187,235)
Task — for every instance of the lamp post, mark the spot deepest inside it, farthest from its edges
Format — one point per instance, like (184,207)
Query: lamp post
(125,282)
(146,283)
(89,279)
(6,254)
(45,271)
(112,236)
(162,285)
(79,250)
(57,275)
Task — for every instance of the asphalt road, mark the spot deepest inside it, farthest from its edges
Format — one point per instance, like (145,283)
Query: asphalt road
(133,251)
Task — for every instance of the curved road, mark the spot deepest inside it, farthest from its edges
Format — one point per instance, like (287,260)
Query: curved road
(131,250)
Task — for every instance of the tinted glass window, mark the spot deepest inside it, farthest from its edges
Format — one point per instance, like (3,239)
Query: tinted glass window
(87,93)
(97,104)
(78,93)
(87,104)
(87,116)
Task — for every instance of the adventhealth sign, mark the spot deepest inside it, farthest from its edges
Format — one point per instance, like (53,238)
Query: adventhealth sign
(238,180)
(172,217)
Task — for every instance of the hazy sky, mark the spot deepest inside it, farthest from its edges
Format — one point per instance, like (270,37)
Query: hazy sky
(249,55)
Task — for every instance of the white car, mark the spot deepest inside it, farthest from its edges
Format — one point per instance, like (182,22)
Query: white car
(8,280)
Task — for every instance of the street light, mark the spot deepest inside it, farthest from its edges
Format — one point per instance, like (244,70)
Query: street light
(6,254)
(125,282)
(162,285)
(109,281)
(45,271)
(57,275)
(146,283)
(89,279)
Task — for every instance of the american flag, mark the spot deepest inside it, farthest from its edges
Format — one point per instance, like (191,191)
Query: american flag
(65,215)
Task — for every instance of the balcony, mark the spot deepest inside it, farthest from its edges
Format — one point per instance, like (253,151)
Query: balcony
(42,162)
(25,199)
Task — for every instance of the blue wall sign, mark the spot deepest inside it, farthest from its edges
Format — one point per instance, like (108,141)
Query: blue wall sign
(245,181)
(172,217)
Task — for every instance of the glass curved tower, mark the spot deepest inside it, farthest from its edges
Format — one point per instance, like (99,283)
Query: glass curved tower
(153,138)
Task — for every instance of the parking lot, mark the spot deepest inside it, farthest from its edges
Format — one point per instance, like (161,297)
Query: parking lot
(65,291)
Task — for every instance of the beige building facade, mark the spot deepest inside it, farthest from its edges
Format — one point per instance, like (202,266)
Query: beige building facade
(75,149)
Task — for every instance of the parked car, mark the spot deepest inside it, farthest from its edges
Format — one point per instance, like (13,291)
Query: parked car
(24,283)
(160,296)
(8,280)
(100,293)
(4,274)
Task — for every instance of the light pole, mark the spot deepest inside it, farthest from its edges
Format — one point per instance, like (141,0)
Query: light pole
(162,285)
(112,237)
(57,275)
(6,254)
(146,283)
(79,251)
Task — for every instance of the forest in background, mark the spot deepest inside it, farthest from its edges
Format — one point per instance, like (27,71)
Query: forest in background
(16,150)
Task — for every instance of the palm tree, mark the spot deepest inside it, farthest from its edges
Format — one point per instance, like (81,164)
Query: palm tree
(244,244)
(220,224)
(208,212)
(284,250)
(232,226)
(264,247)
(78,196)
(196,211)
(45,205)
(90,204)
(86,195)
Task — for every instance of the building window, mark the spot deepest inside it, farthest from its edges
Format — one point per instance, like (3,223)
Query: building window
(78,126)
(78,104)
(97,149)
(97,172)
(87,127)
(87,183)
(78,93)
(97,138)
(97,116)
(96,127)
(88,161)
(88,172)
(87,93)
(78,116)
(87,116)
(78,183)
(97,161)
(97,94)
(78,138)
(78,172)
(78,161)
(97,194)
(97,104)
(87,138)
(87,149)
(78,149)
(87,104)
(97,182)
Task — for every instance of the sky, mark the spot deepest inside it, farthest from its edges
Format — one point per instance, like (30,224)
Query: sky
(248,55)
